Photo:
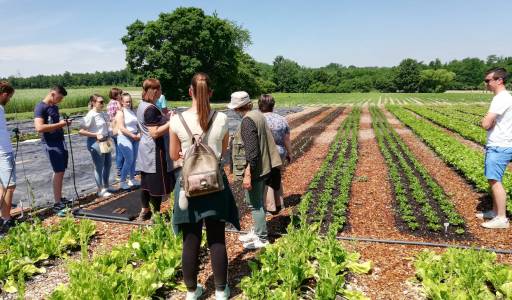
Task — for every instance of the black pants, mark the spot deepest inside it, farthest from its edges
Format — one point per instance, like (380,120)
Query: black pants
(155,201)
(192,233)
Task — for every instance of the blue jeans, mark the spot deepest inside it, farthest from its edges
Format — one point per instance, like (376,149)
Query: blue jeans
(119,155)
(128,149)
(102,163)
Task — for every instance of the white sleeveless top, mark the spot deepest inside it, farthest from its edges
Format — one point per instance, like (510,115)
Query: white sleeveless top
(216,134)
(130,121)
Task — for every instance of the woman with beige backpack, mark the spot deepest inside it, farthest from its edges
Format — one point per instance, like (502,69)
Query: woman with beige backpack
(202,132)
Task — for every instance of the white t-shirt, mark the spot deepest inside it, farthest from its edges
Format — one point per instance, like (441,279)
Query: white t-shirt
(95,122)
(214,138)
(5,135)
(130,121)
(501,134)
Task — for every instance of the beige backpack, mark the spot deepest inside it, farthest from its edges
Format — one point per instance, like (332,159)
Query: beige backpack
(201,169)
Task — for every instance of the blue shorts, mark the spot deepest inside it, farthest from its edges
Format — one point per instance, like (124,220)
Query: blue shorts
(7,169)
(57,153)
(496,161)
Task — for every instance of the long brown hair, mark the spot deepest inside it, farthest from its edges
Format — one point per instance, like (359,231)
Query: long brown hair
(201,91)
(149,88)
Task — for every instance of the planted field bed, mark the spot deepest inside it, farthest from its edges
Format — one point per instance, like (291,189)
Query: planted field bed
(467,161)
(466,129)
(420,202)
(30,246)
(325,202)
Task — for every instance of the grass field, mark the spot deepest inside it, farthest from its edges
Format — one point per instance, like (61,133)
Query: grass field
(76,102)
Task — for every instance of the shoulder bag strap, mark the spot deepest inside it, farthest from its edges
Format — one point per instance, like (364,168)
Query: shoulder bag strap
(187,129)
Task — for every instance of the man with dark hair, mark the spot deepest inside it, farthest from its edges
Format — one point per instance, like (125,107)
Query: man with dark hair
(498,150)
(7,161)
(49,125)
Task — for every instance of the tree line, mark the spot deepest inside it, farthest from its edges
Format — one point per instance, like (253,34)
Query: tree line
(178,44)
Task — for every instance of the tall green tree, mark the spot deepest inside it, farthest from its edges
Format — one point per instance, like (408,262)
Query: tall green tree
(407,76)
(178,44)
(286,74)
(435,81)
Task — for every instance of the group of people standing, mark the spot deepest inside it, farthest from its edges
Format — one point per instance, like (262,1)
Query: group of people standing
(153,141)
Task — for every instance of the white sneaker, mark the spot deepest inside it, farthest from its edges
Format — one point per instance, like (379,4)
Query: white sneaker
(125,186)
(255,244)
(104,193)
(496,223)
(248,237)
(488,214)
(196,294)
(222,295)
(133,182)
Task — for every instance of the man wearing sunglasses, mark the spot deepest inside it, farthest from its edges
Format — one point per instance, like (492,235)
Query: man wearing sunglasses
(498,149)
(49,125)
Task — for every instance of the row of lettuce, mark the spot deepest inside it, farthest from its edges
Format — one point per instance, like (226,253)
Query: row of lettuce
(421,202)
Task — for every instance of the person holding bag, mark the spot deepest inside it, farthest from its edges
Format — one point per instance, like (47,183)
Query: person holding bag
(95,127)
(199,131)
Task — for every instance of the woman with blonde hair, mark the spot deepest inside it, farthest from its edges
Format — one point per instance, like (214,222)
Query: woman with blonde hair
(153,161)
(214,209)
(128,137)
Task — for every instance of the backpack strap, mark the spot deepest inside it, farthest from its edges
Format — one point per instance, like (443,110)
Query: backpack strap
(187,129)
(211,118)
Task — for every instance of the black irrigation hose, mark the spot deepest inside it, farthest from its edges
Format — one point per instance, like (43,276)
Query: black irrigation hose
(66,117)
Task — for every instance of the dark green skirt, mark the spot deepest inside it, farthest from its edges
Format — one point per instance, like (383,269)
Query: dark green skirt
(219,206)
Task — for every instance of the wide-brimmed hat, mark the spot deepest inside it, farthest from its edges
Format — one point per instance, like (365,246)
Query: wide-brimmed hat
(239,99)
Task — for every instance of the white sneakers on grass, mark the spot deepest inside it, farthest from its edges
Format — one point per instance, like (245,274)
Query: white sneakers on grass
(252,241)
(244,238)
(496,223)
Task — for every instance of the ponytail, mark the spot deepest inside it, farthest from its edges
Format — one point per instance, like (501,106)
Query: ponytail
(201,92)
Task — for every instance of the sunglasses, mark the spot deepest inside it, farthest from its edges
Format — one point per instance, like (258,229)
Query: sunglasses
(489,80)
(100,102)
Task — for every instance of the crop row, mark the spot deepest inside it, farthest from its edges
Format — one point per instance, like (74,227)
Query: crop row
(151,259)
(28,244)
(469,162)
(477,110)
(411,180)
(328,193)
(303,264)
(457,113)
(463,274)
(464,128)
(308,116)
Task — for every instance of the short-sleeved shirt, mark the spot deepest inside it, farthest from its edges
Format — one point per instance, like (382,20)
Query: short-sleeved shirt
(501,134)
(112,108)
(5,135)
(95,122)
(50,115)
(214,138)
(279,127)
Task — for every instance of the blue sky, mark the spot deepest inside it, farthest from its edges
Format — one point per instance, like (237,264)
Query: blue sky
(53,36)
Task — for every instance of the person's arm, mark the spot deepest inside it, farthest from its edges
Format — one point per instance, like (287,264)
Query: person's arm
(489,120)
(225,144)
(41,127)
(288,147)
(174,146)
(87,133)
(158,131)
(85,125)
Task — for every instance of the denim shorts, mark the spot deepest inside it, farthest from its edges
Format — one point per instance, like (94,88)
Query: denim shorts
(7,169)
(57,153)
(496,161)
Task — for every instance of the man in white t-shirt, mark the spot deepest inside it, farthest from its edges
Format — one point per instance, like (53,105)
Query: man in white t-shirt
(498,150)
(7,162)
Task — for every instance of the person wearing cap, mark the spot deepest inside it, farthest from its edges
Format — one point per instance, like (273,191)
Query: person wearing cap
(254,154)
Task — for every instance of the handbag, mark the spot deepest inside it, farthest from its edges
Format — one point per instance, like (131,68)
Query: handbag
(106,146)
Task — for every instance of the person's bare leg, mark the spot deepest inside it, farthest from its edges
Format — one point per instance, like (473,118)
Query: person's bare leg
(58,178)
(499,197)
(7,203)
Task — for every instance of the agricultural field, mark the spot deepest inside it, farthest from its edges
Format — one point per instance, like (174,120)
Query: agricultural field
(380,200)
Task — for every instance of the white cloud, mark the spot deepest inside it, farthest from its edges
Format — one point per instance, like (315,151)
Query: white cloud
(56,58)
